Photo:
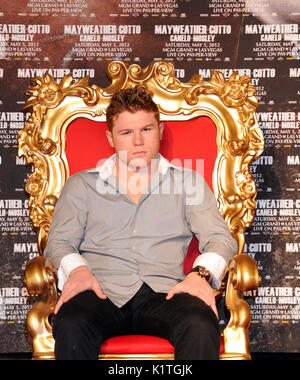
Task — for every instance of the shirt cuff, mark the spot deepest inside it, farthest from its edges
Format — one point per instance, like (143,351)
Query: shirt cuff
(215,264)
(67,264)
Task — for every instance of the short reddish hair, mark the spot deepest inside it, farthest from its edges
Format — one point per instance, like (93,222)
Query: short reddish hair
(132,99)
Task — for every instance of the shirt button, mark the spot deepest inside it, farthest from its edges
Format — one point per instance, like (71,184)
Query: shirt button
(134,232)
(133,248)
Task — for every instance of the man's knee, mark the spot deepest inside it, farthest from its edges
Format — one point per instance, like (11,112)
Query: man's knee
(200,319)
(197,335)
(73,315)
(75,332)
(196,320)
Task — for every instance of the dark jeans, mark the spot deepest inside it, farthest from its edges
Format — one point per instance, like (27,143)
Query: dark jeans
(85,321)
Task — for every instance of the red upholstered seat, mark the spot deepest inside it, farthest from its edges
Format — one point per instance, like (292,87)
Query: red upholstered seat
(87,146)
(142,344)
(132,344)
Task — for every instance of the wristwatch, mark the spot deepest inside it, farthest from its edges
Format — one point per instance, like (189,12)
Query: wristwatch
(202,272)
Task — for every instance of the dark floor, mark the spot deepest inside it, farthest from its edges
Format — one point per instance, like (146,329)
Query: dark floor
(255,356)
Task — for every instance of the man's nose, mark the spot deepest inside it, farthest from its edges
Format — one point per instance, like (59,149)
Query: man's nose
(138,138)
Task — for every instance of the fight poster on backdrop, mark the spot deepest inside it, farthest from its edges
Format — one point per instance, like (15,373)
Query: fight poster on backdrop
(259,38)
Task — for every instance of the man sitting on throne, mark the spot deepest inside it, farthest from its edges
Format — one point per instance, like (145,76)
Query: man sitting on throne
(119,236)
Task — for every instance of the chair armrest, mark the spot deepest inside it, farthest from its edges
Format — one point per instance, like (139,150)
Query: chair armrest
(242,276)
(40,275)
(244,272)
(41,279)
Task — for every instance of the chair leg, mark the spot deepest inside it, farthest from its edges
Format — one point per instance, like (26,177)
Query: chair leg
(236,344)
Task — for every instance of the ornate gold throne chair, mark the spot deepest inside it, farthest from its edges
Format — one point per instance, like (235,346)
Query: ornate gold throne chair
(66,115)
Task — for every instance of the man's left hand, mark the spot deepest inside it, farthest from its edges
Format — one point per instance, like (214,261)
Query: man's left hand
(195,286)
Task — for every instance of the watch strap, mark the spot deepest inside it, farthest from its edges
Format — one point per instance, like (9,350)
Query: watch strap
(202,272)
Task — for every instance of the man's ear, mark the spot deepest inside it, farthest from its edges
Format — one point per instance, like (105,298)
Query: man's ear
(161,127)
(109,138)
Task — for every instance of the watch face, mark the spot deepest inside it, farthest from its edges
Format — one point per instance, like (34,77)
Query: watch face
(204,272)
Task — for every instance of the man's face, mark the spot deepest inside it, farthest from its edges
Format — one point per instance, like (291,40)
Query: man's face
(136,138)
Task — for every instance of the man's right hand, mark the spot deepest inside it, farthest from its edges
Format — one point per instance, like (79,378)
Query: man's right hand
(80,279)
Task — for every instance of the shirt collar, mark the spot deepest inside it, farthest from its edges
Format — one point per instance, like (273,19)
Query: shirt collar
(105,170)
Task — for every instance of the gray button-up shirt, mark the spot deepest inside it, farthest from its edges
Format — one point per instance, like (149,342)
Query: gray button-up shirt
(126,243)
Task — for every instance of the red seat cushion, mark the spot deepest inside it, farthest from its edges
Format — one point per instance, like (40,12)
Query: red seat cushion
(136,344)
(140,344)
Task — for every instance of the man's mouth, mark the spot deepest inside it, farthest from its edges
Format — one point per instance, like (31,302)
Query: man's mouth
(140,153)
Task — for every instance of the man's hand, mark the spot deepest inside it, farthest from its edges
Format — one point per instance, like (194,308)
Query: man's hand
(195,286)
(80,279)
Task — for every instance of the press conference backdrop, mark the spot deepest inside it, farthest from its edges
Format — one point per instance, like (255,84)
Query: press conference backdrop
(260,38)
